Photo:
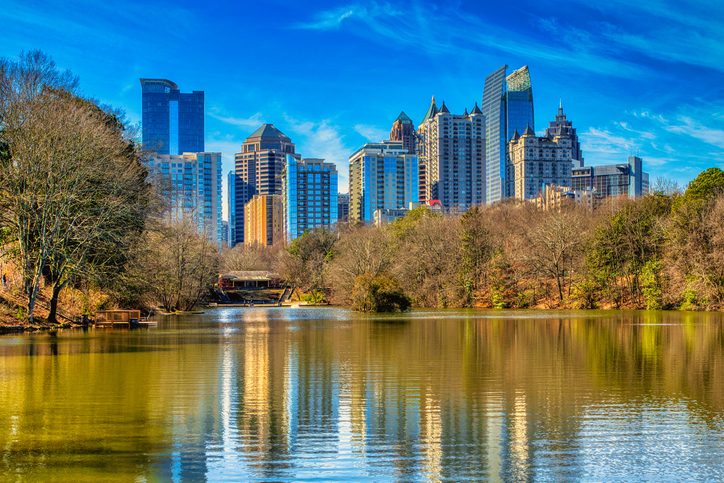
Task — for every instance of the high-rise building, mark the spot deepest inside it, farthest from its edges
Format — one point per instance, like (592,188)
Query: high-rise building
(613,180)
(173,122)
(421,149)
(309,196)
(452,151)
(259,168)
(342,207)
(263,220)
(570,131)
(536,162)
(507,106)
(381,176)
(191,186)
(231,207)
(225,231)
(404,130)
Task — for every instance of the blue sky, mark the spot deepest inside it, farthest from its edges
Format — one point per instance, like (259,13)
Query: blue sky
(642,77)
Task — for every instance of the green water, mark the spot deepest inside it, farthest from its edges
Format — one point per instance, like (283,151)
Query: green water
(318,394)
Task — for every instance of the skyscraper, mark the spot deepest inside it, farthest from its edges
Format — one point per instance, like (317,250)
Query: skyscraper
(231,207)
(507,106)
(263,220)
(309,198)
(190,183)
(561,121)
(259,168)
(535,162)
(403,130)
(173,122)
(613,179)
(381,176)
(452,151)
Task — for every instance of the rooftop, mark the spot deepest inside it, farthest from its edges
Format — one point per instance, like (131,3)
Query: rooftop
(268,131)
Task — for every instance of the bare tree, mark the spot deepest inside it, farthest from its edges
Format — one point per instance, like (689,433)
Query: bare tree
(71,186)
(175,265)
(362,251)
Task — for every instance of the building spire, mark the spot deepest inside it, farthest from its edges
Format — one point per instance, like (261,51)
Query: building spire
(431,112)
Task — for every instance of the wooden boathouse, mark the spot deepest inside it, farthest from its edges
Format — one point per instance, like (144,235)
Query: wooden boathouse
(118,318)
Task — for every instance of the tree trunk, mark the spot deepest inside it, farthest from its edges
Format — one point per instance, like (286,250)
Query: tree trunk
(53,314)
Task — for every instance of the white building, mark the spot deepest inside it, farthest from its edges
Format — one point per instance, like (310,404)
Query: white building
(533,162)
(452,150)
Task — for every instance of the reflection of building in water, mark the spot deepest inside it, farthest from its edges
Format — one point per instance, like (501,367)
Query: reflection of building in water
(519,466)
(431,437)
(264,421)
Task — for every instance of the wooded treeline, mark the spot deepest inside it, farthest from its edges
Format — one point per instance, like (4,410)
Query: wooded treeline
(77,214)
(663,251)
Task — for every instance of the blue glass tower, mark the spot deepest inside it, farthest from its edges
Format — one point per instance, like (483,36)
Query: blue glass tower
(309,195)
(173,122)
(507,106)
(231,207)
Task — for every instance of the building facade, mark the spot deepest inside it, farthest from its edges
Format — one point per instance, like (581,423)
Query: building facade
(536,162)
(452,151)
(231,207)
(381,176)
(173,122)
(190,184)
(613,180)
(342,207)
(507,106)
(404,130)
(259,167)
(309,196)
(263,221)
(570,131)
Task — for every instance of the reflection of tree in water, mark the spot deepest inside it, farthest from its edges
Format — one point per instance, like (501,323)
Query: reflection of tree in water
(447,395)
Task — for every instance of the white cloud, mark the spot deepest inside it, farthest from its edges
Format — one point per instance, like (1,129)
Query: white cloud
(458,32)
(322,139)
(373,134)
(253,121)
(677,145)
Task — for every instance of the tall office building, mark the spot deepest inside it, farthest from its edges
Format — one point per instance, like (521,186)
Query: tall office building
(309,198)
(452,151)
(173,122)
(537,162)
(191,185)
(263,220)
(259,168)
(231,207)
(342,207)
(507,106)
(381,176)
(421,149)
(570,131)
(613,180)
(404,130)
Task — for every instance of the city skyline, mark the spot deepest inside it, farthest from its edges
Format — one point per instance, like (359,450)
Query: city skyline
(639,79)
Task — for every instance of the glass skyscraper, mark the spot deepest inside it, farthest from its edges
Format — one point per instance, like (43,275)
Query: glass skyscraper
(507,106)
(382,176)
(191,186)
(309,198)
(231,207)
(173,122)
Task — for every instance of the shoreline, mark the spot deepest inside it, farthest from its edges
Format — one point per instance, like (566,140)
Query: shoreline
(19,328)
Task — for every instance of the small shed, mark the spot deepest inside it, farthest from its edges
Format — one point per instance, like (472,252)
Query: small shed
(117,318)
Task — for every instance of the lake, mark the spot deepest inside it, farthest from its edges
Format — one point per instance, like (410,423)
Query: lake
(325,394)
